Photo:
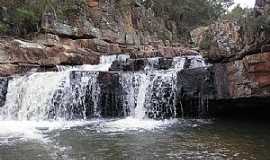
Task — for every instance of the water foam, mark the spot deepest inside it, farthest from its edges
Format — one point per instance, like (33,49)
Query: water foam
(28,97)
(135,124)
(34,130)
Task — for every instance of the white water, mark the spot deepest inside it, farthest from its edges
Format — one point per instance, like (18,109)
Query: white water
(26,130)
(135,124)
(103,66)
(140,110)
(29,98)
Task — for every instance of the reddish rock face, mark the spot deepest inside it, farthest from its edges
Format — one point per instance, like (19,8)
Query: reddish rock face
(245,78)
(17,56)
(50,50)
(25,52)
(92,3)
(228,41)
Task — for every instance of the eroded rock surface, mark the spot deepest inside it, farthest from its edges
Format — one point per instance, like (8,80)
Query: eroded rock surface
(244,78)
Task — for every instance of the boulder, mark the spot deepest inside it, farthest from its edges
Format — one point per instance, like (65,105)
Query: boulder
(226,41)
(3,90)
(195,87)
(221,41)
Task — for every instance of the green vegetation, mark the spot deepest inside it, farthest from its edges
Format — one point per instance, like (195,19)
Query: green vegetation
(3,28)
(25,15)
(256,25)
(189,14)
(25,20)
(237,13)
(248,21)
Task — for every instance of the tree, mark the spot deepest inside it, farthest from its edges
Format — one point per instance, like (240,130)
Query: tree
(190,12)
(238,13)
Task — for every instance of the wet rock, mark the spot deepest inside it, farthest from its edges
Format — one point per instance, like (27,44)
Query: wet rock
(3,90)
(110,95)
(129,65)
(140,64)
(194,88)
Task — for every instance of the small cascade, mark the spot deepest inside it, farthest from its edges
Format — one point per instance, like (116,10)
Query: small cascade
(78,99)
(92,91)
(104,65)
(152,64)
(150,94)
(140,109)
(130,83)
(29,97)
(161,95)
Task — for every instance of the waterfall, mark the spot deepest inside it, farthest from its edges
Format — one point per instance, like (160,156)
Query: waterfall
(152,92)
(29,97)
(91,91)
(140,109)
(78,99)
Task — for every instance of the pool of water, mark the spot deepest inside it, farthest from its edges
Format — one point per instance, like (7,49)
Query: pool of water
(130,139)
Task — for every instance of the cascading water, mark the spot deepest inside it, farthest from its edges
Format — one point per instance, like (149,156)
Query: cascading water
(29,97)
(53,95)
(152,92)
(74,92)
(141,98)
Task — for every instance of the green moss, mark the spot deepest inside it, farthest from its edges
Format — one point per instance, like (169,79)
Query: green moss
(206,42)
(3,28)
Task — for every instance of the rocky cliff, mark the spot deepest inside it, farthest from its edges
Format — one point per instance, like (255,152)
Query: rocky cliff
(241,60)
(240,57)
(80,32)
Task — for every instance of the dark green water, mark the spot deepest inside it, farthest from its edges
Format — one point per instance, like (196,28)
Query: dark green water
(128,140)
